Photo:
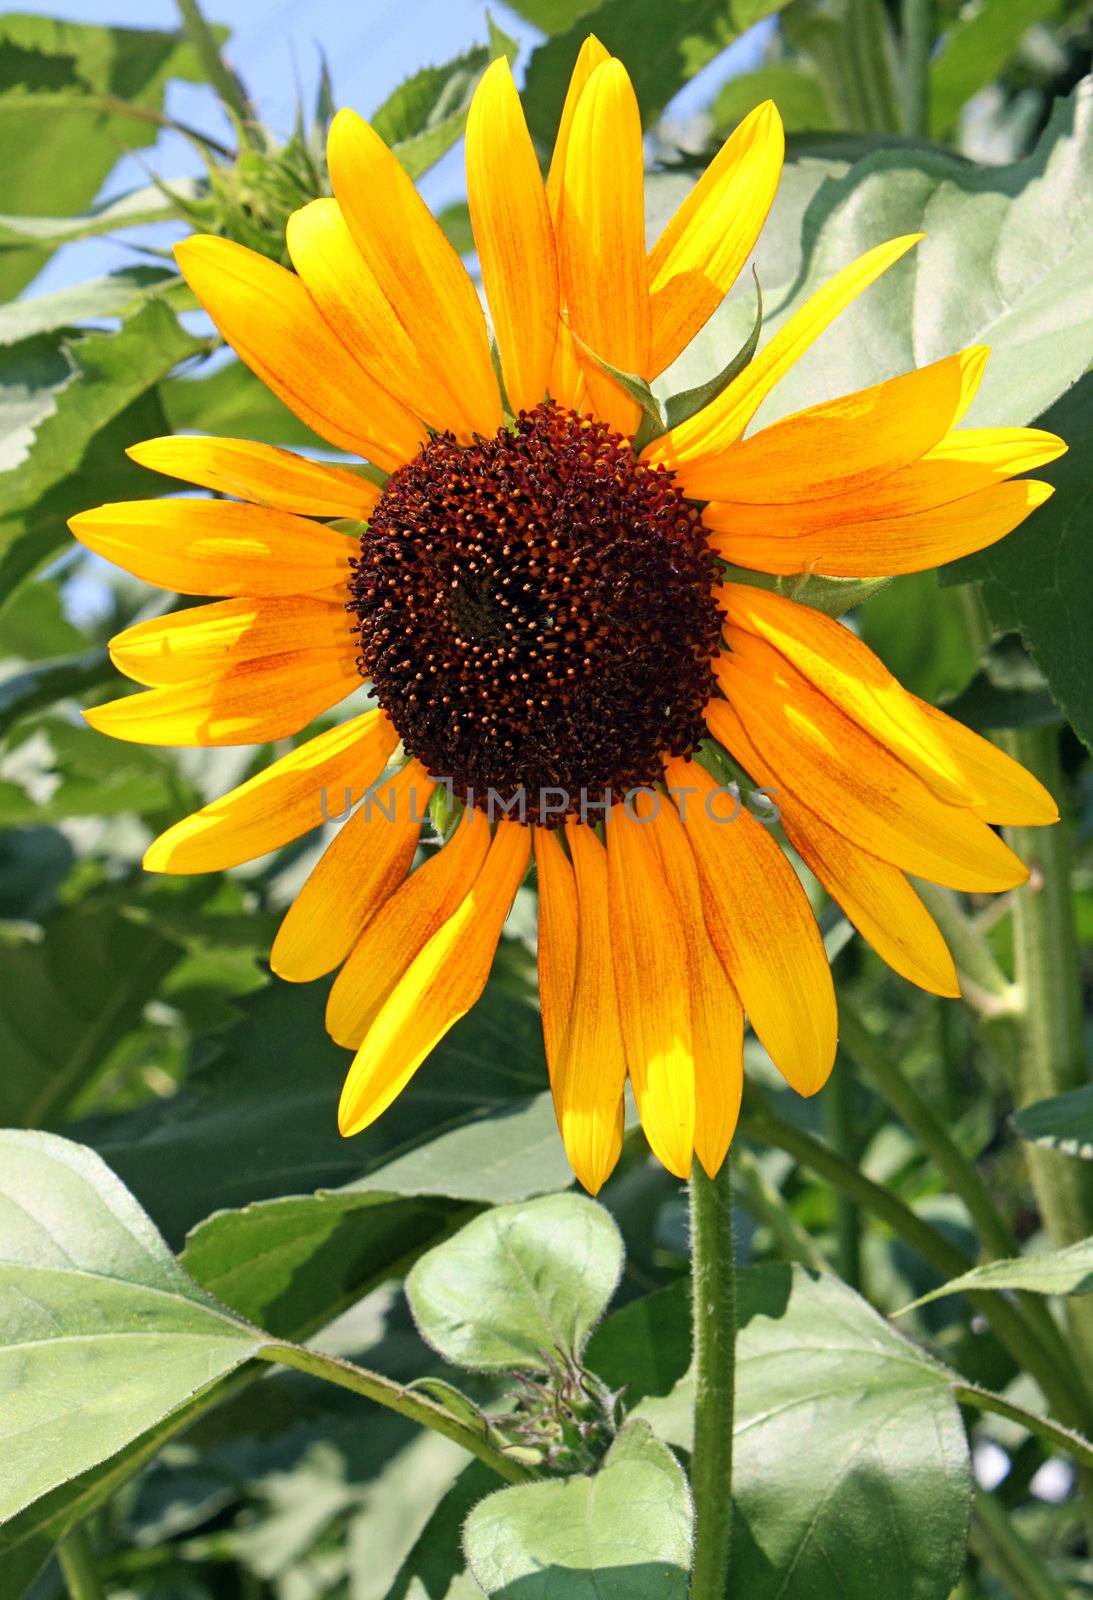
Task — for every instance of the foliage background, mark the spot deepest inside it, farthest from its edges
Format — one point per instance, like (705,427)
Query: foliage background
(137,1014)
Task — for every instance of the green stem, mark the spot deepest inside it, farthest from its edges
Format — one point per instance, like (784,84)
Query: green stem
(999,1546)
(993,993)
(840,1132)
(219,76)
(78,1567)
(407,1402)
(1052,1048)
(713,1276)
(1067,1439)
(916,17)
(1021,1337)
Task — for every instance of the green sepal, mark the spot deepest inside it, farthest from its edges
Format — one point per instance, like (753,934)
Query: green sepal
(635,387)
(832,596)
(681,407)
(445,811)
(453,1400)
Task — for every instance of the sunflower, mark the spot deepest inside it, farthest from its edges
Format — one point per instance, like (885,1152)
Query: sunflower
(551,616)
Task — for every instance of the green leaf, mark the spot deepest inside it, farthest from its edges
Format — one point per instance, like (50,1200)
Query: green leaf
(974,52)
(689,402)
(677,41)
(112,373)
(104,1335)
(850,1451)
(151,203)
(553,16)
(427,113)
(519,1285)
(796,91)
(66,1000)
(1063,1123)
(87,775)
(972,279)
(1067,1271)
(1040,579)
(294,1264)
(53,76)
(919,631)
(623,1533)
(278,1075)
(119,294)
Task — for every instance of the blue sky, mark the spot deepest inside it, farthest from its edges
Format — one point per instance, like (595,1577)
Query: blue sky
(371,46)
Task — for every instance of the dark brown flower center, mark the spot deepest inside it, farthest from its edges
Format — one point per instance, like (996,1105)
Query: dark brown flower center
(535,613)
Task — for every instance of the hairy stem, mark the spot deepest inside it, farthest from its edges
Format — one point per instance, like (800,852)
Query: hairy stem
(916,29)
(713,1275)
(407,1402)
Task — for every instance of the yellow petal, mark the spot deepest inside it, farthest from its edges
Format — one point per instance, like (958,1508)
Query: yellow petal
(271,322)
(1006,451)
(844,669)
(294,795)
(415,266)
(875,895)
(358,312)
(567,383)
(245,704)
(216,546)
(882,547)
(590,56)
(717,1017)
(1008,793)
(205,640)
(557,941)
(513,236)
(601,239)
(854,783)
(260,473)
(841,447)
(441,985)
(363,865)
(652,984)
(590,1075)
(762,928)
(402,927)
(698,257)
(722,422)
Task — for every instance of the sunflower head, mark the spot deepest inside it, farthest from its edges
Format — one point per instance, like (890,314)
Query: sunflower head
(548,612)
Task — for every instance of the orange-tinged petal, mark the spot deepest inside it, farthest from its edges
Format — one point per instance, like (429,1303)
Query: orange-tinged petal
(875,895)
(843,668)
(601,239)
(1008,792)
(883,547)
(441,985)
(287,800)
(717,1017)
(271,322)
(216,546)
(590,1075)
(415,266)
(513,236)
(358,312)
(557,957)
(854,783)
(261,474)
(841,447)
(402,927)
(653,989)
(762,927)
(205,640)
(698,257)
(723,421)
(247,703)
(362,866)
